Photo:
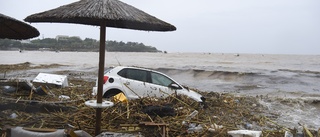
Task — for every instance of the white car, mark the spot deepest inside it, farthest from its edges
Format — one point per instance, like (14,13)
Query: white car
(137,83)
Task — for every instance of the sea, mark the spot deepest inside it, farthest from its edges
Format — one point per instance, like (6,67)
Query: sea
(289,84)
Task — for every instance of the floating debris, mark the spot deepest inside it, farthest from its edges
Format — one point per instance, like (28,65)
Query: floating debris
(51,80)
(224,112)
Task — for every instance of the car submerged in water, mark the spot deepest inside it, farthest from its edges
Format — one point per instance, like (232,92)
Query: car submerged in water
(137,83)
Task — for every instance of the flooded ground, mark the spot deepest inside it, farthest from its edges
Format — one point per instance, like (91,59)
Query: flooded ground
(288,84)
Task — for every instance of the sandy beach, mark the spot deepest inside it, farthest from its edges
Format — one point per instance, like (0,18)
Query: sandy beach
(288,84)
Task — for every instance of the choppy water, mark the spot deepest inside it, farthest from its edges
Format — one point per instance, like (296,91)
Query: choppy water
(278,77)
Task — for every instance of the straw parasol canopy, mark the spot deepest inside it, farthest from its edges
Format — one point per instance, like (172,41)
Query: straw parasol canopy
(14,29)
(91,12)
(103,13)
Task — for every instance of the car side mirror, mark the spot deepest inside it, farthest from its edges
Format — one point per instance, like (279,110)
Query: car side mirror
(174,86)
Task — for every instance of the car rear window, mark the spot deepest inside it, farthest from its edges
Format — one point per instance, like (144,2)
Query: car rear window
(107,70)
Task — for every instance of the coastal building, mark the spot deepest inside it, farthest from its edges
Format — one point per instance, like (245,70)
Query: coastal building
(65,37)
(62,37)
(26,41)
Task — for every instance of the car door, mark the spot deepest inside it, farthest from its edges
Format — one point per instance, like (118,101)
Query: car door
(134,81)
(159,85)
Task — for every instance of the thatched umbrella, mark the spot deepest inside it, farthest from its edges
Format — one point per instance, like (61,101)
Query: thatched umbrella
(103,13)
(11,28)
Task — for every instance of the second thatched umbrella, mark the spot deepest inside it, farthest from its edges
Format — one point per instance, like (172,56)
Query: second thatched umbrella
(103,13)
(12,28)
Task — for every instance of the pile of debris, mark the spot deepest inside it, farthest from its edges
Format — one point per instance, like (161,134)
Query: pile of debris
(222,115)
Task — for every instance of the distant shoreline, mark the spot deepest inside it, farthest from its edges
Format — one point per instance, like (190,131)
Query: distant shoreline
(205,53)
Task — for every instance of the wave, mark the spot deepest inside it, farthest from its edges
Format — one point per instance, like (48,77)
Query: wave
(301,71)
(256,80)
(205,74)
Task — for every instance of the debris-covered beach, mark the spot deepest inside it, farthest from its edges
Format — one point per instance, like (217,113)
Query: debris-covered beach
(268,93)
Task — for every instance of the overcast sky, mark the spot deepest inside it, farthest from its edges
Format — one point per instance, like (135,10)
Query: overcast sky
(216,26)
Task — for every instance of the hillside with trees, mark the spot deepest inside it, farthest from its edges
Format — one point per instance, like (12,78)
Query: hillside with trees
(74,44)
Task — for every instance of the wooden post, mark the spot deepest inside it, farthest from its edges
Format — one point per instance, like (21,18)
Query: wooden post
(100,75)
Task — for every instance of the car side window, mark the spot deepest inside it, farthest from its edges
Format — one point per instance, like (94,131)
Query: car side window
(134,74)
(159,79)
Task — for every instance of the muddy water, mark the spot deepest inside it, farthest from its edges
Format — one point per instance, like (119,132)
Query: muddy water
(289,84)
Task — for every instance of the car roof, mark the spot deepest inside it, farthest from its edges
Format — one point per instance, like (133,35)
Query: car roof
(133,67)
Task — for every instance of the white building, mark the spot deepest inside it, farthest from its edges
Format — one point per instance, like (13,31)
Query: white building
(62,37)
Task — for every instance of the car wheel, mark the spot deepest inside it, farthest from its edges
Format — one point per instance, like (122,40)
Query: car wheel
(111,93)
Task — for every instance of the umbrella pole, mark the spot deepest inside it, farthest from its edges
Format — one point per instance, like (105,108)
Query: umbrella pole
(100,75)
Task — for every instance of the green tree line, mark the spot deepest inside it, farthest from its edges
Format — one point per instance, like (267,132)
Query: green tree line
(74,44)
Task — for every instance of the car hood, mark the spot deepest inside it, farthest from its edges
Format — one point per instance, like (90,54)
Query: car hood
(191,94)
